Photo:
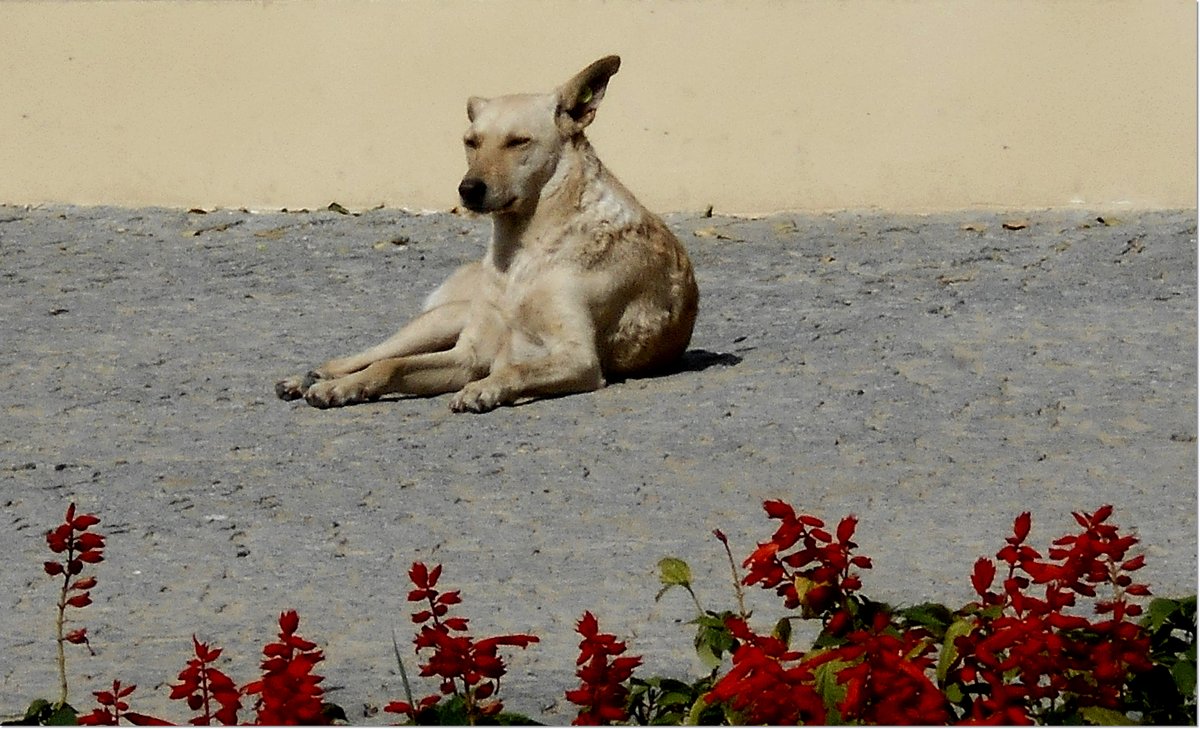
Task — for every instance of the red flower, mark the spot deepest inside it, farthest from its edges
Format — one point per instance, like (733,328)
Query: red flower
(768,684)
(201,686)
(780,510)
(1021,527)
(463,665)
(77,547)
(403,707)
(289,692)
(112,709)
(816,575)
(888,682)
(602,692)
(81,600)
(982,577)
(1019,661)
(82,522)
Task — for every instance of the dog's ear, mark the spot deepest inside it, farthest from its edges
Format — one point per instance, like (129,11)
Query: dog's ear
(579,98)
(474,105)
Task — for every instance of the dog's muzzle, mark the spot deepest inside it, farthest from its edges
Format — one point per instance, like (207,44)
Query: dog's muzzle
(473,192)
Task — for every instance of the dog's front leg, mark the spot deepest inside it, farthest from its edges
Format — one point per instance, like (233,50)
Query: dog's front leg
(431,373)
(432,331)
(435,373)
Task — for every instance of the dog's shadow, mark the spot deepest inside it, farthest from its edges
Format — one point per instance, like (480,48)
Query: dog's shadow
(693,360)
(698,360)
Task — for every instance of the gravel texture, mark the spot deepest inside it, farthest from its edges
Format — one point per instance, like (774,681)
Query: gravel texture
(935,375)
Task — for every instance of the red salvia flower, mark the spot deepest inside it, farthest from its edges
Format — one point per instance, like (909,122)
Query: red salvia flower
(1018,663)
(888,682)
(289,693)
(463,665)
(207,689)
(602,672)
(78,546)
(806,565)
(768,684)
(403,707)
(112,708)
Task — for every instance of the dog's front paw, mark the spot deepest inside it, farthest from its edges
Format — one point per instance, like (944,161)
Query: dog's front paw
(336,393)
(477,397)
(293,388)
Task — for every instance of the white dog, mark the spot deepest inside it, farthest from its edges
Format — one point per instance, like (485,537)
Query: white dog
(580,282)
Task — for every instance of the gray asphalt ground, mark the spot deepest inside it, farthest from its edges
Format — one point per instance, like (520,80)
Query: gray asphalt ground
(934,375)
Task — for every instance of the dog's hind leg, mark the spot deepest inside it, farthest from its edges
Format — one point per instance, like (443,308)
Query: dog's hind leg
(555,374)
(433,331)
(554,355)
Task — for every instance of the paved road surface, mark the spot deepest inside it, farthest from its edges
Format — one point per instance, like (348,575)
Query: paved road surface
(933,375)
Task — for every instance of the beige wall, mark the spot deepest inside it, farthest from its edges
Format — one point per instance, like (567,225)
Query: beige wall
(749,106)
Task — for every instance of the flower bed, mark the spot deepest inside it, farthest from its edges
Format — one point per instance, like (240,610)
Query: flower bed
(1056,637)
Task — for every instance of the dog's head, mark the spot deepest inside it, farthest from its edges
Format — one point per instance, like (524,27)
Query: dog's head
(514,142)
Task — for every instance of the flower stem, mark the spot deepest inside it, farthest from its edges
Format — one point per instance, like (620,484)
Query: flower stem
(58,627)
(699,607)
(205,692)
(737,582)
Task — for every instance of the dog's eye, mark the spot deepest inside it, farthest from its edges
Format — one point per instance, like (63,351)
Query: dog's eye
(471,142)
(517,142)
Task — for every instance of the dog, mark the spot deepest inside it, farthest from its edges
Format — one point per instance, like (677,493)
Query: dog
(580,283)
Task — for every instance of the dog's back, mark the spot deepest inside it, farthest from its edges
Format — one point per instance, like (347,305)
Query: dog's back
(636,252)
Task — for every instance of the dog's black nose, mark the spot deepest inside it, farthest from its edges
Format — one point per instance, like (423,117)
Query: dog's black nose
(472,190)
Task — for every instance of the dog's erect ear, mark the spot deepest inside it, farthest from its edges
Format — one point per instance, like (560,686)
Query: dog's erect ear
(474,105)
(579,98)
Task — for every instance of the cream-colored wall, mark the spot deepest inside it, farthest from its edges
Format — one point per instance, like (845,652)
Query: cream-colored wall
(749,106)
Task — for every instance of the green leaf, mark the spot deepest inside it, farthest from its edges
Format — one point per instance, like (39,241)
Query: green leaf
(932,616)
(673,571)
(637,689)
(675,699)
(1100,716)
(954,694)
(707,655)
(452,712)
(1160,610)
(783,631)
(408,694)
(713,639)
(711,621)
(38,709)
(1184,674)
(693,718)
(62,715)
(671,684)
(957,629)
(826,684)
(43,713)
